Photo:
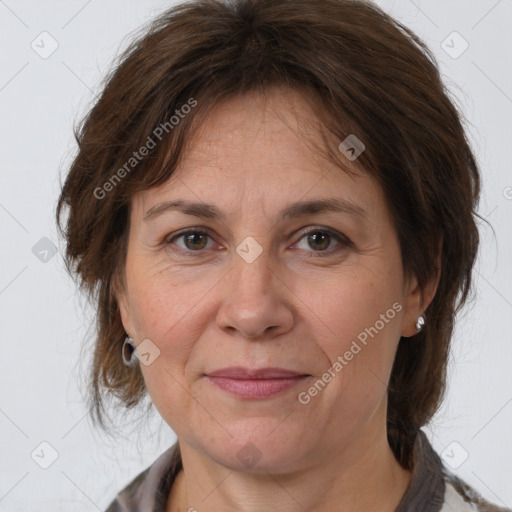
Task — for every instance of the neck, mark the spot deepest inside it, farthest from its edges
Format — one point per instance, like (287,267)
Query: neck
(364,475)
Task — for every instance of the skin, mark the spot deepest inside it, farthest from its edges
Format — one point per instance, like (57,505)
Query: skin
(207,308)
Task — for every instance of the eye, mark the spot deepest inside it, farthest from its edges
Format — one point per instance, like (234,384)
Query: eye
(193,240)
(323,240)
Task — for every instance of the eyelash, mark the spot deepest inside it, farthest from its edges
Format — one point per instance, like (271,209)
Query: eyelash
(342,239)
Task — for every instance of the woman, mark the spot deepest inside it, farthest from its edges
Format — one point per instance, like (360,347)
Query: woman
(274,205)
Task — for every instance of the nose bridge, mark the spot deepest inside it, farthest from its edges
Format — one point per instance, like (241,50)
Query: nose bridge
(253,286)
(253,303)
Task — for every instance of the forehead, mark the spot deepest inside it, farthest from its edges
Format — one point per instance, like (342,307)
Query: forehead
(262,151)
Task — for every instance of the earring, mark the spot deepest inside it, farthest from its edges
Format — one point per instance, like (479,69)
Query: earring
(128,353)
(420,323)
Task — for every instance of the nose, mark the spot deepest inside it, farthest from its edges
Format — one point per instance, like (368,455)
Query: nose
(256,302)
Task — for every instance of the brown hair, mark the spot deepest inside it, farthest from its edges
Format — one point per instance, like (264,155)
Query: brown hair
(368,75)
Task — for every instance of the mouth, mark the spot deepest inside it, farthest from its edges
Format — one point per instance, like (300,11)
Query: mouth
(255,383)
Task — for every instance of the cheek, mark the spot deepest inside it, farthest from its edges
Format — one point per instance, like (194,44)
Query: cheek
(358,328)
(172,314)
(166,300)
(356,307)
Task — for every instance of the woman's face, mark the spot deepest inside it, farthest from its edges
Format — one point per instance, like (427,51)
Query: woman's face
(273,279)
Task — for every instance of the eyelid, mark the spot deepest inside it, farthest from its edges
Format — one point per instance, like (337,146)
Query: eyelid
(185,231)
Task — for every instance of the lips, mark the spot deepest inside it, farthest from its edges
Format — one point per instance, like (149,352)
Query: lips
(255,383)
(239,372)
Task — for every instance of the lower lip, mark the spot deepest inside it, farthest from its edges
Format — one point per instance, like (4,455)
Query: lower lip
(256,388)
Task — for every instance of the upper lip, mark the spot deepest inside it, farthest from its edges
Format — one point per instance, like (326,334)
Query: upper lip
(239,372)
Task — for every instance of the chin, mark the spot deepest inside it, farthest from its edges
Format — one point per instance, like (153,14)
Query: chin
(259,446)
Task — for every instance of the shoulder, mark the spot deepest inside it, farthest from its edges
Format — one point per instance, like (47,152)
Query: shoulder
(127,498)
(434,488)
(150,488)
(460,497)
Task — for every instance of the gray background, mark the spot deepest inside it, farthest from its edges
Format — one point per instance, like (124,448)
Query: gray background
(43,321)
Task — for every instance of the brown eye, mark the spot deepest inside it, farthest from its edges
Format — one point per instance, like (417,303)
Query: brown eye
(323,241)
(191,241)
(195,241)
(319,240)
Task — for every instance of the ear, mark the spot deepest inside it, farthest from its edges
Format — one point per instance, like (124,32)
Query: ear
(418,299)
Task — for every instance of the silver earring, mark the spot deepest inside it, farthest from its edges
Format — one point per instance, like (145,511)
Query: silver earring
(128,353)
(420,323)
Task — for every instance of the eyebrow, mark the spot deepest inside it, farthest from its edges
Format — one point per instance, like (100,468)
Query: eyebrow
(298,209)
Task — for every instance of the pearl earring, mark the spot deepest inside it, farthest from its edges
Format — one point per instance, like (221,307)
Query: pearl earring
(420,323)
